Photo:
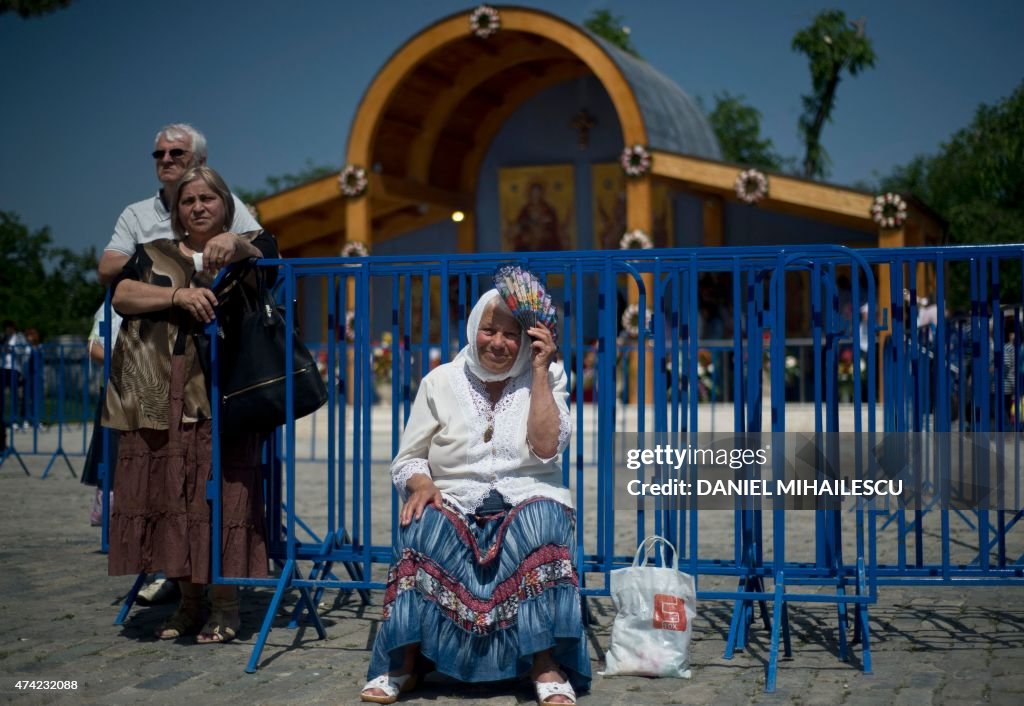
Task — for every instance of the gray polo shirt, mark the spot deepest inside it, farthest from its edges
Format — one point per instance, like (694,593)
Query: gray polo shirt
(148,220)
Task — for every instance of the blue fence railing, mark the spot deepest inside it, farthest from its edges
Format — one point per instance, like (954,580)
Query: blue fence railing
(865,359)
(48,397)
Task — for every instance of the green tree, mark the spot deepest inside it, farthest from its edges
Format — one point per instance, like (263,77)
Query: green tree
(611,28)
(832,45)
(71,284)
(981,165)
(976,183)
(51,289)
(737,126)
(32,8)
(274,184)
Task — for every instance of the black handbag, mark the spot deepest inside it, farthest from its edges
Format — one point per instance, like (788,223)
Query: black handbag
(251,349)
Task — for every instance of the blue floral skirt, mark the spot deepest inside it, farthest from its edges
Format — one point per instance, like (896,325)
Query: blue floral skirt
(481,598)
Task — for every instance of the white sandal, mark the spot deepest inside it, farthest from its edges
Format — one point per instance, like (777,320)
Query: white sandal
(547,689)
(392,686)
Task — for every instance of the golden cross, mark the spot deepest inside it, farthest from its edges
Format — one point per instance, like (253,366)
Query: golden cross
(582,123)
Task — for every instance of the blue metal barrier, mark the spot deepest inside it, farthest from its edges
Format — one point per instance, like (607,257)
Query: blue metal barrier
(48,404)
(959,372)
(423,303)
(351,481)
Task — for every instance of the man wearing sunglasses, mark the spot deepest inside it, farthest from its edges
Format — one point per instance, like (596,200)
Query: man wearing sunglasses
(178,147)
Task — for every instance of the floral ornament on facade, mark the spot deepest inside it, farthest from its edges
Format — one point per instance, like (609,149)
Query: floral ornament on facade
(635,240)
(353,181)
(889,210)
(484,21)
(350,327)
(635,161)
(631,321)
(751,186)
(353,248)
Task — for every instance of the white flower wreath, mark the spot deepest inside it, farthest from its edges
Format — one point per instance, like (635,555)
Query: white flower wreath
(635,240)
(350,326)
(484,21)
(631,321)
(889,210)
(353,248)
(635,161)
(353,181)
(751,186)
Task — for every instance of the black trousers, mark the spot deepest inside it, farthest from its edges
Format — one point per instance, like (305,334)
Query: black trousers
(12,398)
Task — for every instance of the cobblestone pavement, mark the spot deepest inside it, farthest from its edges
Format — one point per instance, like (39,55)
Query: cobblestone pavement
(57,607)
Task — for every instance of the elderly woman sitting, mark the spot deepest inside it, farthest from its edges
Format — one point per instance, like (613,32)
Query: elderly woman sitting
(157,398)
(483,583)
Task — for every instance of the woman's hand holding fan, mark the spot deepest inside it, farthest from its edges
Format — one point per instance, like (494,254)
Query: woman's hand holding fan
(525,296)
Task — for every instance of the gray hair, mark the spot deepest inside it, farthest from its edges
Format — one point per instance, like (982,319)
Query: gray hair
(177,132)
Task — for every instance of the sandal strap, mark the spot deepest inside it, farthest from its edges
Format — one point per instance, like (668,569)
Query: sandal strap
(547,689)
(219,630)
(225,618)
(390,685)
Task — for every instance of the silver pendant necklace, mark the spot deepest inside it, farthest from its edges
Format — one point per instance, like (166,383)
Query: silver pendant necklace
(492,404)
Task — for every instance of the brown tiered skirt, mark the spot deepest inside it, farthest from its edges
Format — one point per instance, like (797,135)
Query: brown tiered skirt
(161,519)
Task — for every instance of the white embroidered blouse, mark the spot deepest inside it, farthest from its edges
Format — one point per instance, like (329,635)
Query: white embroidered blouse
(454,436)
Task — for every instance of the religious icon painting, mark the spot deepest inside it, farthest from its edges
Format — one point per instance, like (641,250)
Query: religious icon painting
(536,206)
(609,198)
(608,185)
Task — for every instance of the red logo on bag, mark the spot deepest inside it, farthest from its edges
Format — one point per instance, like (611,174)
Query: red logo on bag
(669,612)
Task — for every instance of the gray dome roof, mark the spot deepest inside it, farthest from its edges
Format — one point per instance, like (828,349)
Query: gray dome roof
(674,122)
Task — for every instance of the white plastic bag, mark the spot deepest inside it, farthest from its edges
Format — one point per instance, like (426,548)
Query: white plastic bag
(656,607)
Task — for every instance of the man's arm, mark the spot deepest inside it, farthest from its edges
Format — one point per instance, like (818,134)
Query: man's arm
(119,249)
(111,264)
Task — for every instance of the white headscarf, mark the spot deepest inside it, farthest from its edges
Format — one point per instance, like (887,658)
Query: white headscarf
(471,357)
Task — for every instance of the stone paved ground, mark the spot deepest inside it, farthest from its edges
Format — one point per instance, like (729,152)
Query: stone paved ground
(930,645)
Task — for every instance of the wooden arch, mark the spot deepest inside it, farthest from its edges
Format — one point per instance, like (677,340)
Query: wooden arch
(428,117)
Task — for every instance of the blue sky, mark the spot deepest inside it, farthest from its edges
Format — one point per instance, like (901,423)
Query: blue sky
(273,84)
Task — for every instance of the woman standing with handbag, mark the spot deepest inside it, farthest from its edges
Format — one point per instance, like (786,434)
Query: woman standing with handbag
(157,398)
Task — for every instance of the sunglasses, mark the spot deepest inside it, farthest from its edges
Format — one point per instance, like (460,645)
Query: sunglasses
(176,153)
